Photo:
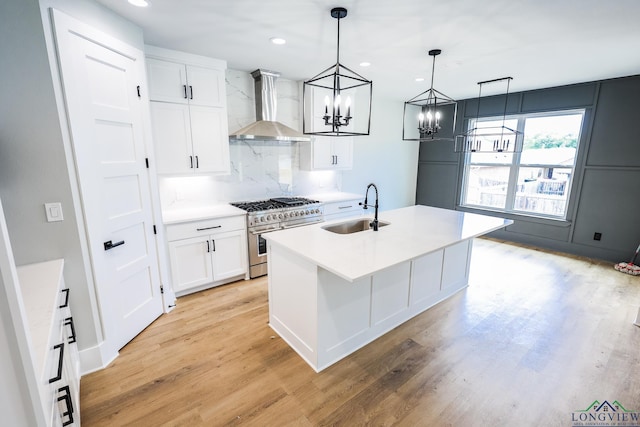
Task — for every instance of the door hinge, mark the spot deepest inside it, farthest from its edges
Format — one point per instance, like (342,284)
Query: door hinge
(154,229)
(161,289)
(138,89)
(146,162)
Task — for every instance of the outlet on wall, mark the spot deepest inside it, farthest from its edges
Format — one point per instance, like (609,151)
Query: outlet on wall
(597,236)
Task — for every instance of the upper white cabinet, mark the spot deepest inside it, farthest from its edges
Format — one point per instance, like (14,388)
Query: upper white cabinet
(185,84)
(188,112)
(327,152)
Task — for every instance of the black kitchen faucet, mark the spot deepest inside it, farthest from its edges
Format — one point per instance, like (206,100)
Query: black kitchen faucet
(365,205)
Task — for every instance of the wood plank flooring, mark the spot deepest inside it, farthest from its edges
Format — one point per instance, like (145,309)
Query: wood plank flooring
(535,337)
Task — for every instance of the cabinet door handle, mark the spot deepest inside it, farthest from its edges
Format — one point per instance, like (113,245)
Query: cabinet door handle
(197,163)
(66,298)
(68,403)
(185,91)
(344,207)
(110,245)
(208,228)
(69,322)
(60,360)
(208,248)
(191,90)
(213,243)
(191,162)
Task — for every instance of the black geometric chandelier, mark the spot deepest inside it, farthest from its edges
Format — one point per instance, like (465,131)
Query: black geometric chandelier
(337,101)
(425,114)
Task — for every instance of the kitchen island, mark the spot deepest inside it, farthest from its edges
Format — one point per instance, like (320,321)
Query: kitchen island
(330,294)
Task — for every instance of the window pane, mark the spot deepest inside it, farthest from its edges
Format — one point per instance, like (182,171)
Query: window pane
(487,186)
(493,158)
(543,190)
(551,140)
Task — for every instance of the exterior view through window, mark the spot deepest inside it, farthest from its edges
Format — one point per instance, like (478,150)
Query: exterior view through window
(536,181)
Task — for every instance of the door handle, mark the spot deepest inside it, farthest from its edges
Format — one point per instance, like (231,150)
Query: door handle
(185,91)
(213,243)
(197,163)
(191,90)
(109,245)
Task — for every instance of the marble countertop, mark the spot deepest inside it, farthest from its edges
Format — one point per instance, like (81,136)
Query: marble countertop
(40,287)
(412,232)
(195,212)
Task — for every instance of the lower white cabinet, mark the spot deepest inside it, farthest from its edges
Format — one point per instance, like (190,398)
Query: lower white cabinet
(342,209)
(207,253)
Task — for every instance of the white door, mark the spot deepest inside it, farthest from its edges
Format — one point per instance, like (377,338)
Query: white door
(190,262)
(229,254)
(343,150)
(323,157)
(172,138)
(100,78)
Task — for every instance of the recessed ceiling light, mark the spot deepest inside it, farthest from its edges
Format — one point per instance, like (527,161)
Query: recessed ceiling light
(419,79)
(140,3)
(277,40)
(365,64)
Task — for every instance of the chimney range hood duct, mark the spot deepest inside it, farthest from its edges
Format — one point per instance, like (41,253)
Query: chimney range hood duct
(267,128)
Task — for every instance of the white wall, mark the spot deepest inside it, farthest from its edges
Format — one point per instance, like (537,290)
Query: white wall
(384,158)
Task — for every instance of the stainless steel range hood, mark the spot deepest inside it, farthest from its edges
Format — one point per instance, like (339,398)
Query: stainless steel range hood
(267,128)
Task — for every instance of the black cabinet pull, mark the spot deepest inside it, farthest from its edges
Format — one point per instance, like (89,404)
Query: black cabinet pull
(208,248)
(185,91)
(213,242)
(110,245)
(60,360)
(208,228)
(197,162)
(66,299)
(69,322)
(344,207)
(68,403)
(191,162)
(191,90)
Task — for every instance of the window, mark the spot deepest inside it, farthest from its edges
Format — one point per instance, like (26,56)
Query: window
(536,181)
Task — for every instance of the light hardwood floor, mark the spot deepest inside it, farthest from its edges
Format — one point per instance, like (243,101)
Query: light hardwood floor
(535,337)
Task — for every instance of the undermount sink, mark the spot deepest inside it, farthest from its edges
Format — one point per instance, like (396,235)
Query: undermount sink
(353,226)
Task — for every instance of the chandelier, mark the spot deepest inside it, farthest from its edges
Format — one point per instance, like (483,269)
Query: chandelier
(337,101)
(424,114)
(490,139)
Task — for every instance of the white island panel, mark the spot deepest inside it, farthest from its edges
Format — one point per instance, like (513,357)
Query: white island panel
(331,294)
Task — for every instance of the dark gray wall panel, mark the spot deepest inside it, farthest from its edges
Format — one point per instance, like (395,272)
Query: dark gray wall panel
(547,231)
(437,185)
(614,139)
(609,205)
(492,105)
(437,151)
(557,98)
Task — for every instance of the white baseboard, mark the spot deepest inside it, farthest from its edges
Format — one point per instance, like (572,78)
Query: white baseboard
(93,359)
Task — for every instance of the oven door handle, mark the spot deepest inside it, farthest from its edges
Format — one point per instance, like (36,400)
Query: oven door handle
(257,231)
(285,226)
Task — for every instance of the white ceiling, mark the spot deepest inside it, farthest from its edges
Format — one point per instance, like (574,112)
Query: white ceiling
(540,43)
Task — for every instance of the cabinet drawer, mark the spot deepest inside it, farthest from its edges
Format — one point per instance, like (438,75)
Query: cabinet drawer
(342,207)
(203,228)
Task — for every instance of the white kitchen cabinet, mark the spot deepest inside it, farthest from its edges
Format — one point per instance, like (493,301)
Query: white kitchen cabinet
(188,113)
(186,84)
(207,253)
(326,153)
(342,209)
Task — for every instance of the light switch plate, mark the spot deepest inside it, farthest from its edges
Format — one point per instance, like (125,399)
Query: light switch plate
(54,211)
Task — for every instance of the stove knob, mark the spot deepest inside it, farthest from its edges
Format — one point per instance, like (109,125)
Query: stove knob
(261,219)
(280,216)
(306,212)
(317,211)
(269,217)
(286,214)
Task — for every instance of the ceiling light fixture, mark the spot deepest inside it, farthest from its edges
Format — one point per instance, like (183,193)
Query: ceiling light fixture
(490,139)
(335,91)
(277,40)
(425,113)
(140,3)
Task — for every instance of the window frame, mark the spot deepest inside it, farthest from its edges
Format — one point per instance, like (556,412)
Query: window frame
(515,165)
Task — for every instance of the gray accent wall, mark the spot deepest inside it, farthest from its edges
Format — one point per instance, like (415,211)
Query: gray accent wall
(604,194)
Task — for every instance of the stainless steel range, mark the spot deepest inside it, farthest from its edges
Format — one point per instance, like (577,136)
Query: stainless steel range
(265,216)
